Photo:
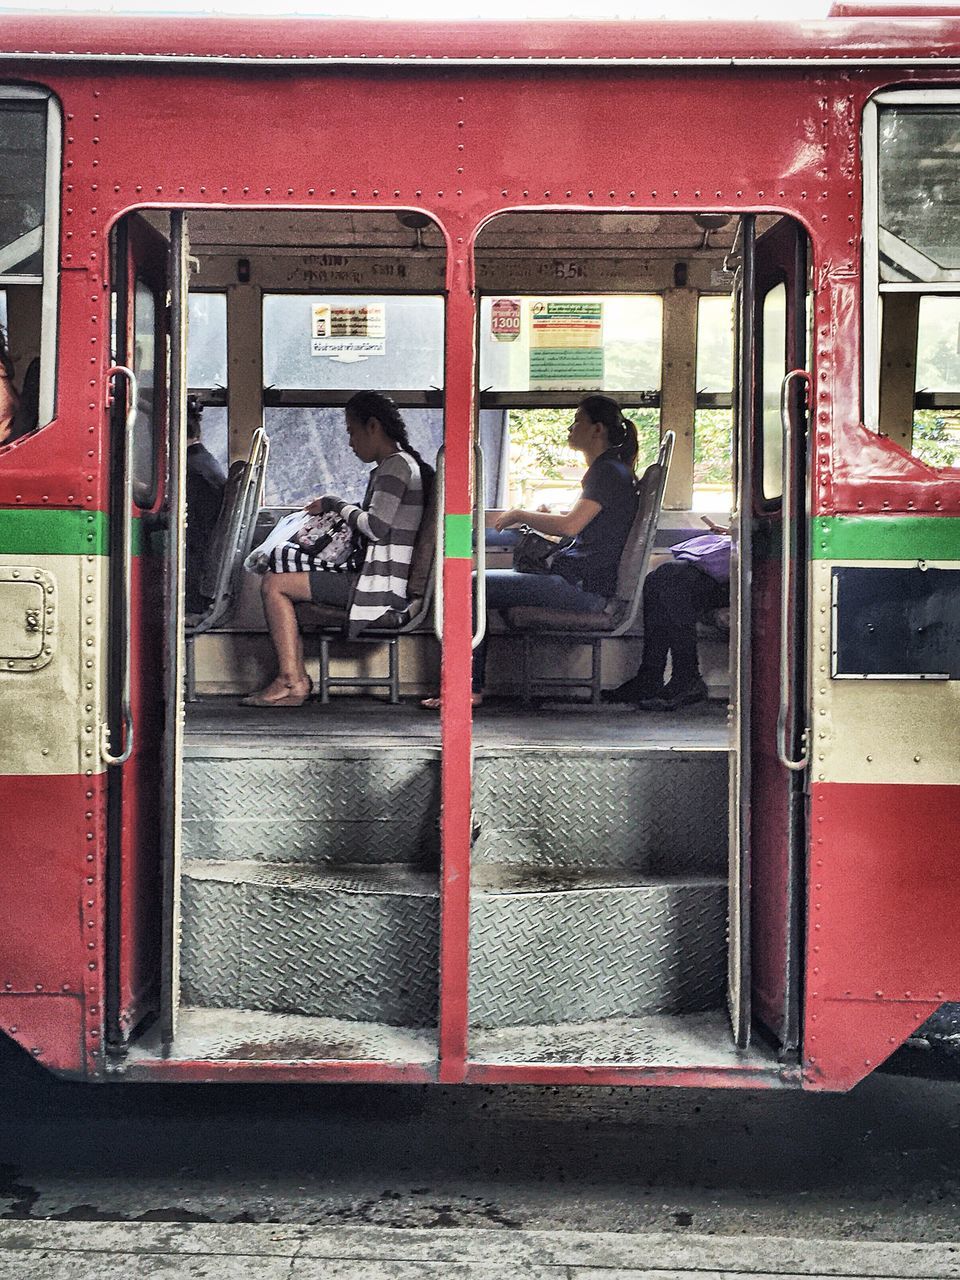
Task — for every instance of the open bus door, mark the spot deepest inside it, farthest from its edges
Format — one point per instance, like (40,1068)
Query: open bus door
(145,590)
(174,653)
(768,593)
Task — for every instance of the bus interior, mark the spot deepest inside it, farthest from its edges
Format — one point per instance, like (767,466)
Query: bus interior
(307,904)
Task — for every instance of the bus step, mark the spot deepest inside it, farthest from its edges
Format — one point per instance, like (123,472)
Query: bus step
(547,947)
(661,811)
(354,942)
(378,807)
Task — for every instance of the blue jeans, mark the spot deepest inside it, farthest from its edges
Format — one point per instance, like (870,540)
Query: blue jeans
(507,589)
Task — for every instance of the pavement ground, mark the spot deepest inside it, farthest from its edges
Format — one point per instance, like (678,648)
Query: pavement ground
(101,1251)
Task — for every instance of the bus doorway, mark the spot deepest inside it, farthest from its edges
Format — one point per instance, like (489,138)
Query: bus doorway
(300,869)
(609,866)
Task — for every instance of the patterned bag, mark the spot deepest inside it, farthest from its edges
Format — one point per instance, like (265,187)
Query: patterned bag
(326,537)
(322,544)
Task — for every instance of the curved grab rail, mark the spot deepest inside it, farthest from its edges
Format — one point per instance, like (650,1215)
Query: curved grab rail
(479,491)
(107,755)
(787,556)
(438,549)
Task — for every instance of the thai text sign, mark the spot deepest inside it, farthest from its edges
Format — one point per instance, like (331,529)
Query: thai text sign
(566,344)
(348,333)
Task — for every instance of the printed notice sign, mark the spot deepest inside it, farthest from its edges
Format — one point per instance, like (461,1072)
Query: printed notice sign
(566,344)
(505,319)
(348,333)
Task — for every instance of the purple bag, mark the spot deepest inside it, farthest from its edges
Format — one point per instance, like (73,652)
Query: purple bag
(710,552)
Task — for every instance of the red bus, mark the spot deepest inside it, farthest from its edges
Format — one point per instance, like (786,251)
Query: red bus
(741,231)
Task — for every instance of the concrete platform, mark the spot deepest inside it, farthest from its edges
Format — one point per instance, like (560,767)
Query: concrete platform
(101,1250)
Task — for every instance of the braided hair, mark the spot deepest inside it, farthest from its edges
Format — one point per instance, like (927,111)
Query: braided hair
(373,404)
(621,433)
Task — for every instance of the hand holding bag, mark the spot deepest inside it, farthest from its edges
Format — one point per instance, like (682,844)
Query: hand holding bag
(534,553)
(326,537)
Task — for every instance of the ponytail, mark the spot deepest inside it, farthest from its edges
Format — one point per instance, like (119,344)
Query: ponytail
(621,432)
(6,364)
(373,404)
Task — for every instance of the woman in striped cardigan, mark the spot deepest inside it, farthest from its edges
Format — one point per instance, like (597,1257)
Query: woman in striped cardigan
(387,520)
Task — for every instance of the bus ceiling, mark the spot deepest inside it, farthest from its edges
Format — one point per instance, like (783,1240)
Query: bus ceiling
(400,250)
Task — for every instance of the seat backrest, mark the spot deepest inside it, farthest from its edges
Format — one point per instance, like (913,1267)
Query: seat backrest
(422,566)
(639,543)
(232,535)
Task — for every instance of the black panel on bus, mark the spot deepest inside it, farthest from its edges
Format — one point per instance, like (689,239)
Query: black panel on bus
(896,622)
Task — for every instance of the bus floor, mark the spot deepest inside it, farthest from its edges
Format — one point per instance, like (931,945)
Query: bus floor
(598,885)
(500,723)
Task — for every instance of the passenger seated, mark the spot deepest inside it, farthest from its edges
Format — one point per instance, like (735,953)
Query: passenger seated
(205,483)
(582,575)
(386,524)
(9,399)
(27,417)
(675,595)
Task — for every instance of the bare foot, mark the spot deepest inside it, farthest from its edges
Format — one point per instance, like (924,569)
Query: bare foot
(281,693)
(434,704)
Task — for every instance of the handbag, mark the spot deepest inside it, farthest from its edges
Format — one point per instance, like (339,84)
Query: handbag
(330,545)
(533,552)
(326,537)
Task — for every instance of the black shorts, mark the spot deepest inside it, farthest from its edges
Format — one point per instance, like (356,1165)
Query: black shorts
(332,588)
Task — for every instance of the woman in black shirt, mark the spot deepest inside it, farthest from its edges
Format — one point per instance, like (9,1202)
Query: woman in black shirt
(584,571)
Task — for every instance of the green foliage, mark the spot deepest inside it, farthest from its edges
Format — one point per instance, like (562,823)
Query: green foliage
(539,453)
(539,437)
(712,446)
(936,437)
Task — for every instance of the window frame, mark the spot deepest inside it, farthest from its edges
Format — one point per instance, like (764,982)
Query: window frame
(49,280)
(872,286)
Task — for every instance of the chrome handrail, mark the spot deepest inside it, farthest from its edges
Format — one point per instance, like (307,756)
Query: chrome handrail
(479,491)
(438,550)
(787,555)
(106,754)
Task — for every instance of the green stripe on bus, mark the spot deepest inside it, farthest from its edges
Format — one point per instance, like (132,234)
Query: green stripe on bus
(886,538)
(52,533)
(458,537)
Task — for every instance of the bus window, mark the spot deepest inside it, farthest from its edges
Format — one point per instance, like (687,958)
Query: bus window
(936,428)
(583,343)
(310,455)
(912,273)
(29,206)
(774,368)
(318,349)
(207,367)
(713,420)
(538,356)
(149,378)
(352,342)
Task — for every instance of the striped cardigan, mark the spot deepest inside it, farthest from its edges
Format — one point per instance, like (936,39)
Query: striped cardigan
(389,520)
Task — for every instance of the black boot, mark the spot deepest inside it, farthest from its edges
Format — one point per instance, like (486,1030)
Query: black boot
(635,690)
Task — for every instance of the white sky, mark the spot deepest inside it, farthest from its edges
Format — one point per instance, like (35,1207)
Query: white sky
(433,10)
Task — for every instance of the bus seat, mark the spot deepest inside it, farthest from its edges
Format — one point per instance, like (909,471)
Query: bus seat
(330,623)
(622,614)
(229,546)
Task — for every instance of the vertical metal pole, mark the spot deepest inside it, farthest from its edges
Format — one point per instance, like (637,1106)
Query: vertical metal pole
(455,573)
(173,667)
(745,418)
(118,611)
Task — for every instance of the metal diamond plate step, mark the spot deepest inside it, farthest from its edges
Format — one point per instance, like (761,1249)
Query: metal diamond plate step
(663,813)
(546,951)
(359,942)
(701,1040)
(379,808)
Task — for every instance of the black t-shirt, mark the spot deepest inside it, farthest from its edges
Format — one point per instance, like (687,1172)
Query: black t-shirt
(593,558)
(205,483)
